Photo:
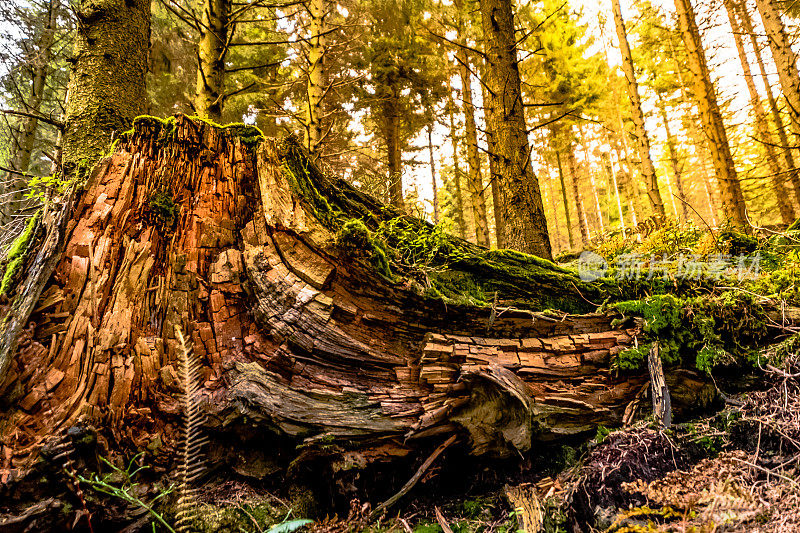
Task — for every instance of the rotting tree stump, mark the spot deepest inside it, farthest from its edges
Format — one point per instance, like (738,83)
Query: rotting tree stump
(192,226)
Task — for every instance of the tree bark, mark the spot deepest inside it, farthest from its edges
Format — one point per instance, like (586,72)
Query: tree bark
(394,152)
(785,61)
(784,207)
(433,176)
(296,336)
(786,151)
(572,165)
(318,43)
(499,222)
(212,48)
(646,166)
(474,178)
(612,183)
(588,170)
(462,223)
(525,227)
(705,95)
(107,83)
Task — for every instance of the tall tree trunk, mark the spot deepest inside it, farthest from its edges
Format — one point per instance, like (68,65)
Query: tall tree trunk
(499,222)
(433,176)
(212,47)
(394,151)
(107,83)
(13,201)
(318,43)
(673,158)
(525,227)
(629,185)
(732,198)
(700,143)
(572,165)
(787,148)
(785,61)
(474,179)
(564,199)
(642,141)
(784,206)
(462,223)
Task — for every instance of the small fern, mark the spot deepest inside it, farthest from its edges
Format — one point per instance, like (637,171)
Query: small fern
(192,438)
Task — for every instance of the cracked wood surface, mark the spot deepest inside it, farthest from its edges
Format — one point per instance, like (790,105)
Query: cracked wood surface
(293,337)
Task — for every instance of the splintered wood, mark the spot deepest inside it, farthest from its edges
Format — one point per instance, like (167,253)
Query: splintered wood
(291,335)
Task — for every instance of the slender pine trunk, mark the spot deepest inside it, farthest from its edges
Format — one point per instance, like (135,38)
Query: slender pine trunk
(642,140)
(474,178)
(732,197)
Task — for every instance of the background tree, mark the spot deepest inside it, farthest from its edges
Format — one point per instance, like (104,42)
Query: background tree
(521,199)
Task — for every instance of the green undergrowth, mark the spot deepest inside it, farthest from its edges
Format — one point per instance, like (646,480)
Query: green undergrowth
(17,252)
(703,332)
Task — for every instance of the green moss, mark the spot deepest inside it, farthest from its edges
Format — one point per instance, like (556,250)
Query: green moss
(17,252)
(696,332)
(164,209)
(735,242)
(356,241)
(250,136)
(234,518)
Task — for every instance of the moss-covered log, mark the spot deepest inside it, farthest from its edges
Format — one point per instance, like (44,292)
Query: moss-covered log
(318,314)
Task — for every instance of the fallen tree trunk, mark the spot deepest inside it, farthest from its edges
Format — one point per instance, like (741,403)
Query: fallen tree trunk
(300,325)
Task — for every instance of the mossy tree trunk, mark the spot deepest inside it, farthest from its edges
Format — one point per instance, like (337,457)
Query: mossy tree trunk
(250,250)
(107,82)
(525,227)
(646,166)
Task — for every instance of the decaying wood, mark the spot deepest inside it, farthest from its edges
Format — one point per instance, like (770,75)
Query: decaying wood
(659,393)
(294,337)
